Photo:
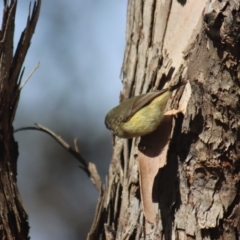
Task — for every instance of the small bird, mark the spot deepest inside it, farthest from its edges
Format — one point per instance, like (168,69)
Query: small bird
(139,115)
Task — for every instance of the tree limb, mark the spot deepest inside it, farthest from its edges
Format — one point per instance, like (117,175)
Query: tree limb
(88,167)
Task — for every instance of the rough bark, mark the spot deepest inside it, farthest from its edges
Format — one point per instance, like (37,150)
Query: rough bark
(198,189)
(13,220)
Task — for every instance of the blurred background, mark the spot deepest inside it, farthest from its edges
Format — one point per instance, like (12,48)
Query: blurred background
(80,46)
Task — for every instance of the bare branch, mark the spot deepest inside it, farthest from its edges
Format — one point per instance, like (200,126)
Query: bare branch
(87,167)
(75,144)
(29,76)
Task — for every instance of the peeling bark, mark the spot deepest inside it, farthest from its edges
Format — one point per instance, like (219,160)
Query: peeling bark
(198,189)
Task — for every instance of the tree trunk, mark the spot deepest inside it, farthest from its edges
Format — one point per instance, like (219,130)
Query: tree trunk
(13,220)
(198,188)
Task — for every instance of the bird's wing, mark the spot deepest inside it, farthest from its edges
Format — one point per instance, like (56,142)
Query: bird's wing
(140,102)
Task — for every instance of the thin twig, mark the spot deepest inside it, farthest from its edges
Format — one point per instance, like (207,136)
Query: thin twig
(76,144)
(29,76)
(87,167)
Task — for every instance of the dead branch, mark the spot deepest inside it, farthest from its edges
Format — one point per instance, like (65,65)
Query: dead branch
(88,167)
(29,76)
